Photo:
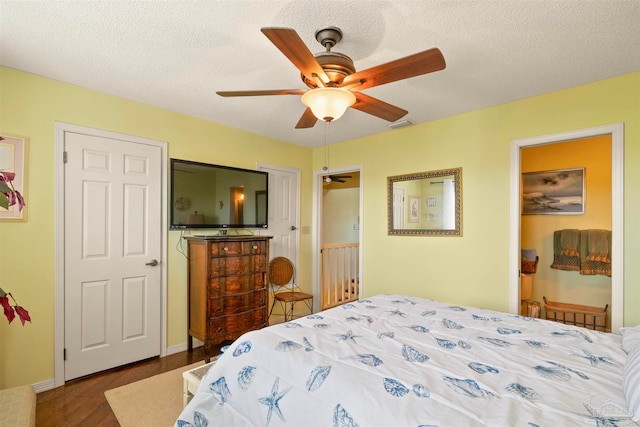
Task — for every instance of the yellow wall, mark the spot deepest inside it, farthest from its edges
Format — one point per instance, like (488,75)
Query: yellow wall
(471,269)
(593,154)
(29,106)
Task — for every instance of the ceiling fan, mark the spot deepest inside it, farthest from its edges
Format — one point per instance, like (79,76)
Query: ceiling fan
(334,84)
(335,178)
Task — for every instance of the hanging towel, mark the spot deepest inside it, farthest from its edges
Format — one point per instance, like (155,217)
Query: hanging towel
(570,242)
(566,247)
(598,245)
(595,251)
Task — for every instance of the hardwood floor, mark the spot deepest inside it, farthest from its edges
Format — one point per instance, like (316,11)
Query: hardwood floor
(81,402)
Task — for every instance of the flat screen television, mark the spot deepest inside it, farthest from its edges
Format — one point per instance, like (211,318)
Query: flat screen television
(204,195)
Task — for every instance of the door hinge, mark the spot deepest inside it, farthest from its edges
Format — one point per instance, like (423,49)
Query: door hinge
(64,354)
(64,157)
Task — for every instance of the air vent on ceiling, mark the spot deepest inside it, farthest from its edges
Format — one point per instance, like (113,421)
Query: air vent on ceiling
(400,124)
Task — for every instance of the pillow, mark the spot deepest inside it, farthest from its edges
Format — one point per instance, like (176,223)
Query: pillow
(631,383)
(630,338)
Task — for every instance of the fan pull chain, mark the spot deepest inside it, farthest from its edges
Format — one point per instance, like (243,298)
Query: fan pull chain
(326,148)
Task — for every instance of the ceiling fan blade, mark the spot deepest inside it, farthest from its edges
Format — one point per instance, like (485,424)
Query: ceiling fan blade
(292,46)
(410,66)
(261,92)
(375,107)
(308,120)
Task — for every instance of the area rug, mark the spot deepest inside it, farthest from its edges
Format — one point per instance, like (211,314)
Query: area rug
(154,401)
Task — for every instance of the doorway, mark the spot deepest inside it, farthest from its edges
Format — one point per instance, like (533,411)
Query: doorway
(236,205)
(616,131)
(338,236)
(284,218)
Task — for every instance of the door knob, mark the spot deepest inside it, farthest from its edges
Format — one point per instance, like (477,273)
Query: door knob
(293,228)
(152,263)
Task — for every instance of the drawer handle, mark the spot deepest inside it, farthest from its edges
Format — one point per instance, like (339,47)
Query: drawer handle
(225,249)
(220,329)
(255,247)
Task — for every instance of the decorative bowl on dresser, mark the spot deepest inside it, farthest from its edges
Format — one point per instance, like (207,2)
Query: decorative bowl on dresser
(227,287)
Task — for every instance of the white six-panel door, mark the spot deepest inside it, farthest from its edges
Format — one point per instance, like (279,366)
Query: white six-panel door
(113,246)
(283,211)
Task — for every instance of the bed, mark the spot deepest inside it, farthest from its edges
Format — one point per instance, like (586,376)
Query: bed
(395,360)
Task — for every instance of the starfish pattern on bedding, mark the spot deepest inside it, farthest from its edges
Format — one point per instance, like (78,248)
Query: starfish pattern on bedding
(594,360)
(348,337)
(273,400)
(396,312)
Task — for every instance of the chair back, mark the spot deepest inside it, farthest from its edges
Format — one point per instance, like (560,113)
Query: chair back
(280,271)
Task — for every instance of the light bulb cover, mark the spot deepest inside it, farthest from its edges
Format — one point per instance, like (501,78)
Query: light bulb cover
(328,103)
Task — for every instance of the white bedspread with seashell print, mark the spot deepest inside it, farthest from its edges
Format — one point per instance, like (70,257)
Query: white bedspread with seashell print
(395,360)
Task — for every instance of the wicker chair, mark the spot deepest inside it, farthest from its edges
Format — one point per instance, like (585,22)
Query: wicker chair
(284,288)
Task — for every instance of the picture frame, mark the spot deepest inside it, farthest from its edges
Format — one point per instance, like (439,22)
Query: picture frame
(13,155)
(414,209)
(554,192)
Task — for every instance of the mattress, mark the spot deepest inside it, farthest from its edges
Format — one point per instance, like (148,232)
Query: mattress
(396,360)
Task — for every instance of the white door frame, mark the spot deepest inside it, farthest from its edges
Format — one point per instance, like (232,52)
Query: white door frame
(316,240)
(617,213)
(60,129)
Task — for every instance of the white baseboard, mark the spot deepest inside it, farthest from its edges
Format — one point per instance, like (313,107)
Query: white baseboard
(183,347)
(44,385)
(50,383)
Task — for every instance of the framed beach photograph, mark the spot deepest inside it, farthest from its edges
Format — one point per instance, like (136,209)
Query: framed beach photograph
(555,192)
(13,159)
(414,209)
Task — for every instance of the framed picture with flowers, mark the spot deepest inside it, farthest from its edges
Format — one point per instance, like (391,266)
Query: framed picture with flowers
(13,155)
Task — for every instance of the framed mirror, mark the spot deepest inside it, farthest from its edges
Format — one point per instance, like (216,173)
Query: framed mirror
(425,203)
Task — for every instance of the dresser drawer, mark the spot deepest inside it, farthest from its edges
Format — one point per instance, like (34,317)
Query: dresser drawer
(237,265)
(231,285)
(231,248)
(239,303)
(216,330)
(233,325)
(240,323)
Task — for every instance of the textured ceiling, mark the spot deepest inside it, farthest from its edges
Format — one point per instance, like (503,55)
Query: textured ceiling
(177,54)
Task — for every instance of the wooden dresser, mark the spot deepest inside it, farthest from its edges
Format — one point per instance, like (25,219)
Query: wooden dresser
(227,288)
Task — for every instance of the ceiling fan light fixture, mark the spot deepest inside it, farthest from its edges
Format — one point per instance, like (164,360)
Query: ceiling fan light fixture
(328,103)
